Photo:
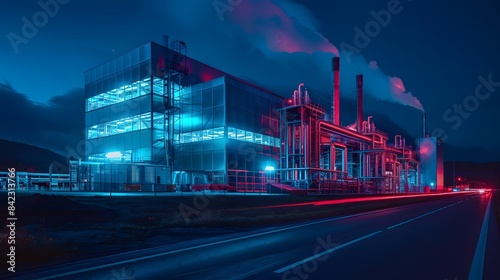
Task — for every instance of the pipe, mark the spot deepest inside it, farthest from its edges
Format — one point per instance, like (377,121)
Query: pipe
(301,85)
(424,126)
(344,131)
(336,90)
(359,84)
(165,41)
(397,141)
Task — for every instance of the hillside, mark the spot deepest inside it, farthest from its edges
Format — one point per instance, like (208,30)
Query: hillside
(26,157)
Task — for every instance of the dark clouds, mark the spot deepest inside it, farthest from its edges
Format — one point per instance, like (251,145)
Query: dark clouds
(54,126)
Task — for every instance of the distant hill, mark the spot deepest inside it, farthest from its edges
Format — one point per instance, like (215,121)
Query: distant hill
(26,157)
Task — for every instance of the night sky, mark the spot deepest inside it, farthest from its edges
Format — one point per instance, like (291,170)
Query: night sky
(442,56)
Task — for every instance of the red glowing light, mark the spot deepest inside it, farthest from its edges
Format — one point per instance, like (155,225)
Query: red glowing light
(206,76)
(426,147)
(351,200)
(161,63)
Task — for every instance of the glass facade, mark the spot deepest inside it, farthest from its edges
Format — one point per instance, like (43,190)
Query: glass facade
(248,136)
(117,95)
(221,132)
(253,127)
(223,123)
(124,125)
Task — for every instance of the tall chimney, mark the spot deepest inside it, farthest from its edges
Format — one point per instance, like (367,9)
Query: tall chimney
(359,84)
(165,41)
(424,126)
(336,90)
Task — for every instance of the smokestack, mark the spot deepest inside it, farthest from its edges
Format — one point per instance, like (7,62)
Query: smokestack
(165,40)
(359,83)
(424,126)
(336,90)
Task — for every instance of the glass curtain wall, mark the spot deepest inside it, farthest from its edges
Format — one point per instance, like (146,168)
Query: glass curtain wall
(119,108)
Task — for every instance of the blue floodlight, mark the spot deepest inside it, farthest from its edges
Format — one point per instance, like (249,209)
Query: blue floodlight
(269,168)
(114,155)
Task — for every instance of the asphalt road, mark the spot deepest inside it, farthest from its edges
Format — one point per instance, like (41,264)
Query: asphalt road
(450,239)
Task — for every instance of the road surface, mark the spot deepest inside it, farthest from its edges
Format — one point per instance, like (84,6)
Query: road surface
(453,238)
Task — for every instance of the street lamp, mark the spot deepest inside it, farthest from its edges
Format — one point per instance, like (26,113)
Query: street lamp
(114,155)
(269,168)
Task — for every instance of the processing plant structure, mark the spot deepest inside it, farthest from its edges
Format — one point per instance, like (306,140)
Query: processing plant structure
(158,120)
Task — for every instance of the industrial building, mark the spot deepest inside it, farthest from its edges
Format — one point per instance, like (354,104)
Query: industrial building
(156,117)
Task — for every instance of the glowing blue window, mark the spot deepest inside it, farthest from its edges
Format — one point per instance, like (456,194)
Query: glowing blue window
(249,136)
(266,140)
(219,133)
(118,95)
(258,138)
(125,156)
(277,142)
(231,133)
(124,125)
(158,86)
(240,135)
(202,135)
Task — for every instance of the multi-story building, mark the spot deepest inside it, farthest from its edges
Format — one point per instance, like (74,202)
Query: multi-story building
(154,116)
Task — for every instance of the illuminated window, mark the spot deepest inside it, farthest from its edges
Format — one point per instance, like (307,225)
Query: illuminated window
(124,125)
(197,136)
(118,95)
(240,135)
(231,133)
(243,135)
(258,138)
(203,135)
(218,133)
(186,137)
(249,136)
(266,140)
(207,134)
(158,86)
(126,156)
(158,121)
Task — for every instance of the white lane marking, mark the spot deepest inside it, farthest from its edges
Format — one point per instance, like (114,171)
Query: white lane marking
(204,245)
(325,252)
(281,270)
(421,216)
(476,269)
